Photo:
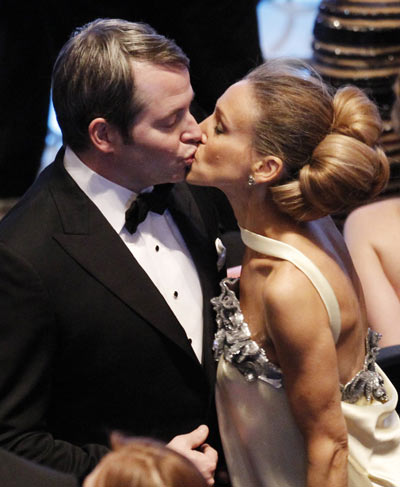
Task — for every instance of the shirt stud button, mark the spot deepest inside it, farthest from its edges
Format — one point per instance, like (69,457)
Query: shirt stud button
(175,294)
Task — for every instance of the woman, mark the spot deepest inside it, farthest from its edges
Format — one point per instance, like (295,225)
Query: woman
(300,400)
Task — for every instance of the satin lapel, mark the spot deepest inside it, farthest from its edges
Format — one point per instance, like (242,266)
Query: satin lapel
(90,240)
(201,245)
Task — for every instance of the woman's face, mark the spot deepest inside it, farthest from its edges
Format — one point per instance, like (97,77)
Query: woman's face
(225,159)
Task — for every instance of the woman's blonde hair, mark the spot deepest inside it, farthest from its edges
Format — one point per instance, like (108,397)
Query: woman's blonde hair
(144,462)
(328,142)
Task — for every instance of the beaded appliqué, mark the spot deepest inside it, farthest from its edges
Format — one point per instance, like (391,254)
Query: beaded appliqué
(233,340)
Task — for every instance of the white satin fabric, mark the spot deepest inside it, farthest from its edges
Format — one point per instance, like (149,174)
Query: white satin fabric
(264,448)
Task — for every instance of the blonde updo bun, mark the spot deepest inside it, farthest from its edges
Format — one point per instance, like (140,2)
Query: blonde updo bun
(343,172)
(356,116)
(346,168)
(327,143)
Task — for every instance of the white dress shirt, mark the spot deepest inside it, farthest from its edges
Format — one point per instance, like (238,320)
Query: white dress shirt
(157,245)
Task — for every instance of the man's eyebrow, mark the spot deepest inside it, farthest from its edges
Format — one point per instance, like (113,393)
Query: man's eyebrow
(172,113)
(179,109)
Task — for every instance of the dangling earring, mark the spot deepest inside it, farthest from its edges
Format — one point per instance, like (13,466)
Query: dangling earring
(251,181)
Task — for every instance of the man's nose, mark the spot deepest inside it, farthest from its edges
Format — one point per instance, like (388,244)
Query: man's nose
(193,132)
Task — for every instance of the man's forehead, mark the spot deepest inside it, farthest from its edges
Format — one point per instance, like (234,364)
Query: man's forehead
(162,87)
(147,74)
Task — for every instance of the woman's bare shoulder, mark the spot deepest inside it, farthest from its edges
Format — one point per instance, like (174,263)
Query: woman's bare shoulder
(290,297)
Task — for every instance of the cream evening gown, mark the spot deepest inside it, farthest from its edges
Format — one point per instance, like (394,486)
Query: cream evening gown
(262,444)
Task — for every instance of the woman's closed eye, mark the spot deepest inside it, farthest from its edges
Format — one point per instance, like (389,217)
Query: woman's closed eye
(218,129)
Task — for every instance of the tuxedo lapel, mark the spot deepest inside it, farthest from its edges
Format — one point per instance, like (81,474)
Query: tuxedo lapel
(89,239)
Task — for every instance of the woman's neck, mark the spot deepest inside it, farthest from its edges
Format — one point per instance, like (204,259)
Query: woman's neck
(256,211)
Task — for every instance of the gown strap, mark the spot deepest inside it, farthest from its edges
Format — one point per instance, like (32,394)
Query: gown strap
(275,248)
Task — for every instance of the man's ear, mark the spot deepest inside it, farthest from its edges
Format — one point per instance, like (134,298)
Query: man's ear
(103,135)
(267,169)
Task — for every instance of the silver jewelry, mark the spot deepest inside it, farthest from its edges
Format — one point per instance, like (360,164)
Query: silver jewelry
(251,181)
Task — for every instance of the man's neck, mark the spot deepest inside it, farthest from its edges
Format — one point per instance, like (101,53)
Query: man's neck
(106,165)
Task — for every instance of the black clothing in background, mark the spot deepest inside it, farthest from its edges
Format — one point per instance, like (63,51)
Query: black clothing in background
(18,472)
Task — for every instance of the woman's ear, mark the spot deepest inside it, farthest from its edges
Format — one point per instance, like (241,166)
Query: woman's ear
(103,135)
(267,169)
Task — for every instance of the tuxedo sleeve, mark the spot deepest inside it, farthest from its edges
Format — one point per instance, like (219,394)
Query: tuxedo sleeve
(28,343)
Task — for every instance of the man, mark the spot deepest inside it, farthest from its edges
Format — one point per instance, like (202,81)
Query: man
(107,326)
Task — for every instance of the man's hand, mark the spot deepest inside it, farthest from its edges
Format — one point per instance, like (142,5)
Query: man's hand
(192,446)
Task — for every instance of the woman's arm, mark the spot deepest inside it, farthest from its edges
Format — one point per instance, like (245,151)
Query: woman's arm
(298,326)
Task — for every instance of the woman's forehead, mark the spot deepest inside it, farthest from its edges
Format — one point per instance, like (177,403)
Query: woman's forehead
(238,105)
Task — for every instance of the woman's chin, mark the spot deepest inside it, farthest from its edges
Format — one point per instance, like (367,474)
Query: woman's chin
(194,177)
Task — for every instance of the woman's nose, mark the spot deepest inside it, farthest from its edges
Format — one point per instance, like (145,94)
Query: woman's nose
(203,128)
(193,132)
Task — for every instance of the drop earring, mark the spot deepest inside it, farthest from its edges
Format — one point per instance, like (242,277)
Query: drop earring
(251,180)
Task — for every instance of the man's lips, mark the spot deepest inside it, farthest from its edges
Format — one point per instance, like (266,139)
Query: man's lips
(190,159)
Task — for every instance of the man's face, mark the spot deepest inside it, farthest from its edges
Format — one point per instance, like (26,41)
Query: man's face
(165,135)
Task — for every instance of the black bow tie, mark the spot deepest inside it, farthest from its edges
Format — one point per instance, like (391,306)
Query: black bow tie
(155,201)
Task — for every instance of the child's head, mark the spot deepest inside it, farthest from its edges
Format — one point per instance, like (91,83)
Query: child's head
(144,462)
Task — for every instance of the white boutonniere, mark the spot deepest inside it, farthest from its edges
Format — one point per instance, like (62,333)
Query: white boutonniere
(221,251)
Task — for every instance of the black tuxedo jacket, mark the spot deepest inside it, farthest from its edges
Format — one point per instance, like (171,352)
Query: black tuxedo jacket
(87,343)
(19,472)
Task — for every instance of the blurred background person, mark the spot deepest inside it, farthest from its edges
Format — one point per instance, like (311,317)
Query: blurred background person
(372,234)
(144,462)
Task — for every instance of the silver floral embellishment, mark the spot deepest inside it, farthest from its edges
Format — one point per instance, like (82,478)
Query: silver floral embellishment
(233,339)
(368,382)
